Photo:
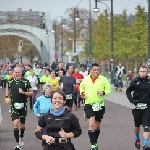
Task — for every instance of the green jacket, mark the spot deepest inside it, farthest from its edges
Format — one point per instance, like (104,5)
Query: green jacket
(27,73)
(7,77)
(44,78)
(90,89)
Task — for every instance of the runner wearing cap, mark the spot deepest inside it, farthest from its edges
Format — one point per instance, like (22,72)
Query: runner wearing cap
(43,104)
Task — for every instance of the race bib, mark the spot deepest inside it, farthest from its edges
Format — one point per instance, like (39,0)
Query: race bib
(77,80)
(68,96)
(18,105)
(96,107)
(141,106)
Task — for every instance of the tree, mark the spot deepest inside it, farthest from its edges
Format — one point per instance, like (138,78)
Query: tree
(101,36)
(9,47)
(141,29)
(69,31)
(139,34)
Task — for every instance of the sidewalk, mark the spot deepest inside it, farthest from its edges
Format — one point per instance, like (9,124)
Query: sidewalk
(124,85)
(116,128)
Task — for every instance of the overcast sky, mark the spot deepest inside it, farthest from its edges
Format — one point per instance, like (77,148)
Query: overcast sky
(58,7)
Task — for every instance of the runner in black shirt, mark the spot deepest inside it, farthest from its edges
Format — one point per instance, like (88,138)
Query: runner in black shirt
(67,84)
(18,89)
(60,67)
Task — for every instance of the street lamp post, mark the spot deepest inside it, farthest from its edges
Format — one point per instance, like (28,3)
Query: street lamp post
(90,33)
(75,19)
(111,36)
(62,42)
(54,31)
(74,30)
(148,34)
(112,44)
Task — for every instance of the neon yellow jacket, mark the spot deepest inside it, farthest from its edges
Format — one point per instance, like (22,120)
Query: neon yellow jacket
(7,77)
(90,89)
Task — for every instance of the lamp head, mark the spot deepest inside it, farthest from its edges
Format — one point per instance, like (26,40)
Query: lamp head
(52,31)
(96,10)
(77,19)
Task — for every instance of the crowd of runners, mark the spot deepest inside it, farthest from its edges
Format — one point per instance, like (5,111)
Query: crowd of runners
(60,88)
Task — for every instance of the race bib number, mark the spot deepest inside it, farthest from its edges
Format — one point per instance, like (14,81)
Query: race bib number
(77,80)
(18,105)
(141,106)
(68,96)
(96,107)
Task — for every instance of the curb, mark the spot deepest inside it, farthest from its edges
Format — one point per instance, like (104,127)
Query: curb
(122,90)
(1,118)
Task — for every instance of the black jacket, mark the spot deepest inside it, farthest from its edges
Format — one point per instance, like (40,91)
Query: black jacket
(141,90)
(67,121)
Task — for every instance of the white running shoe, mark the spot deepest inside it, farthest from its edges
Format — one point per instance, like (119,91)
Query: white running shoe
(21,143)
(17,147)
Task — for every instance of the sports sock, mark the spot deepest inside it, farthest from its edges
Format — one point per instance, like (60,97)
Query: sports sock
(22,132)
(145,142)
(91,134)
(97,132)
(137,137)
(16,134)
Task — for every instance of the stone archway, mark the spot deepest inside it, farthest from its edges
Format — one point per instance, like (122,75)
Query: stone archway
(46,44)
(36,41)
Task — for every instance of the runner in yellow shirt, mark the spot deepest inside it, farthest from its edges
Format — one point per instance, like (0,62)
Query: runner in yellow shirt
(53,80)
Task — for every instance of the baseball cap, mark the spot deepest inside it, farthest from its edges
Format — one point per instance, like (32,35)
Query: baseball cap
(47,84)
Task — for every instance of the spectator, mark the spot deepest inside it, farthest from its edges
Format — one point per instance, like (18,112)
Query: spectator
(53,66)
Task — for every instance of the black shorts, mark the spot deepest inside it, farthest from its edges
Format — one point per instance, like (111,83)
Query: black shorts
(19,113)
(38,80)
(69,103)
(141,117)
(90,113)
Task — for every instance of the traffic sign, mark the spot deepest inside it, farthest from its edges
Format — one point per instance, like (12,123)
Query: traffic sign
(19,49)
(56,55)
(21,43)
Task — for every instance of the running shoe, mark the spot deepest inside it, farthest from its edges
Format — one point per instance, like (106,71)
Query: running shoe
(17,147)
(96,146)
(93,147)
(78,105)
(146,148)
(21,143)
(137,144)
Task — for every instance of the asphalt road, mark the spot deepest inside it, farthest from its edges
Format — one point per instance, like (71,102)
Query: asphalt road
(116,128)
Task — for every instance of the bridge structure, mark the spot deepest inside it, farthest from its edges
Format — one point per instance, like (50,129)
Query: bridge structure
(33,26)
